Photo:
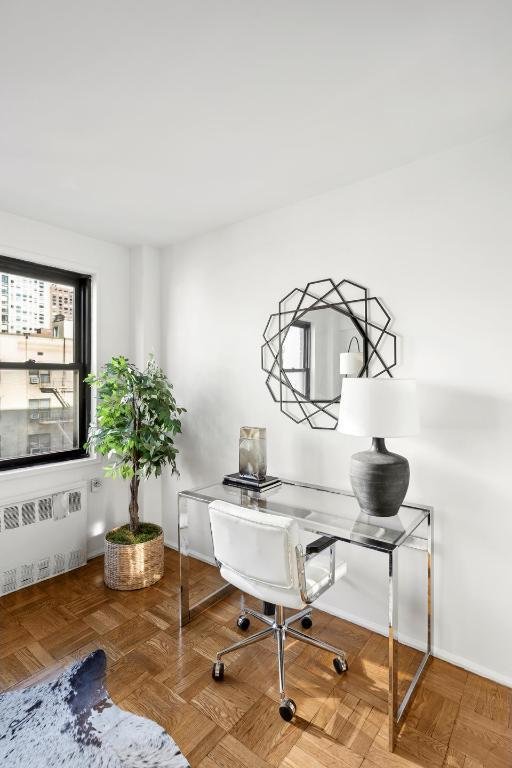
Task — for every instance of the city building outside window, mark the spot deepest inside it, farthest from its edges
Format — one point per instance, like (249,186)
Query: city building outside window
(39,409)
(38,444)
(44,358)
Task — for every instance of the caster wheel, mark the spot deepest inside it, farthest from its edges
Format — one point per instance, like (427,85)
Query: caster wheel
(307,622)
(243,622)
(340,665)
(218,671)
(287,709)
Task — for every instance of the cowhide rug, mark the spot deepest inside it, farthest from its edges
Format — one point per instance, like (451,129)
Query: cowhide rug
(72,722)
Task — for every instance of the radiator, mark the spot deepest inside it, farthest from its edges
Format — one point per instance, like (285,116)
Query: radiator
(42,536)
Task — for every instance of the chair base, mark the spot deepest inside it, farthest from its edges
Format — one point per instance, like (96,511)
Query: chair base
(279,627)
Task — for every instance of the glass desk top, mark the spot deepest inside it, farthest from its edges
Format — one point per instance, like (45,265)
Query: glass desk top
(326,511)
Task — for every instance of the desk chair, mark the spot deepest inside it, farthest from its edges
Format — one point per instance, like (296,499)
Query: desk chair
(261,554)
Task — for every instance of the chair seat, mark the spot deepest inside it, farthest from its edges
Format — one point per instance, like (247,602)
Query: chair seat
(317,577)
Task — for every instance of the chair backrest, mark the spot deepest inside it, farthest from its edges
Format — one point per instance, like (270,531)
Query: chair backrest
(256,545)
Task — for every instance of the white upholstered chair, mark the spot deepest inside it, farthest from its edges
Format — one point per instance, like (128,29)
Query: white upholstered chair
(261,554)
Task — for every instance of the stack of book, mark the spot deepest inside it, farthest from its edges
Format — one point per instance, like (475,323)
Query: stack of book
(251,483)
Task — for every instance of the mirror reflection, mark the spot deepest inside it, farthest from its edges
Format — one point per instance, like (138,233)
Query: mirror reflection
(311,352)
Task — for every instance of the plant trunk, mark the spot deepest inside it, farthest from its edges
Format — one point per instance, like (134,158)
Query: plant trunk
(134,504)
(134,482)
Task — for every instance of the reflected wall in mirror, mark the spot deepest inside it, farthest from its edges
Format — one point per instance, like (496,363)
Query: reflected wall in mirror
(311,352)
(319,334)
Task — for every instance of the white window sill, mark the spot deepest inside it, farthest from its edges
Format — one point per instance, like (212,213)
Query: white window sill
(89,462)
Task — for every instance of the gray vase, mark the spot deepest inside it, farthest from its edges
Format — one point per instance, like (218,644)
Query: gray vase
(379,479)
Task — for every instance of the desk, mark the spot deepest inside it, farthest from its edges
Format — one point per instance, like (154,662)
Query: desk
(328,511)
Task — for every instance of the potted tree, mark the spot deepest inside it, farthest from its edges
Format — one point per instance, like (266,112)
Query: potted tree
(136,421)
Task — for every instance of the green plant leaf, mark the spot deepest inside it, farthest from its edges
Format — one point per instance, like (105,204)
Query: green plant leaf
(136,420)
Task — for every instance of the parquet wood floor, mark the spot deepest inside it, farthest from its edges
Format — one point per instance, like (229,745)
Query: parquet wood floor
(457,719)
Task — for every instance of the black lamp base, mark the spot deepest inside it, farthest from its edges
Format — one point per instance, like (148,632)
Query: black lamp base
(379,479)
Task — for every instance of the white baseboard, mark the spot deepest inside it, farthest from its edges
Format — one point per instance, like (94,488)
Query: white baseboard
(95,553)
(470,666)
(380,629)
(192,553)
(439,653)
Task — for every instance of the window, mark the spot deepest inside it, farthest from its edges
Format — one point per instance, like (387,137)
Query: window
(44,358)
(296,357)
(40,443)
(39,377)
(39,410)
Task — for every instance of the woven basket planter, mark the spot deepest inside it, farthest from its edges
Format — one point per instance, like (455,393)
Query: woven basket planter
(134,566)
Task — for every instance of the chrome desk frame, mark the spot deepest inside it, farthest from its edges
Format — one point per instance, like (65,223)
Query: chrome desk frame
(396,710)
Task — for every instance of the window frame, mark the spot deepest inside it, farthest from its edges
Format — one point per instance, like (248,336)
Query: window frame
(81,354)
(305,327)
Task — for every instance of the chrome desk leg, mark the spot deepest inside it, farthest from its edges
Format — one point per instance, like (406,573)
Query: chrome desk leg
(184,565)
(187,611)
(393,646)
(401,710)
(430,628)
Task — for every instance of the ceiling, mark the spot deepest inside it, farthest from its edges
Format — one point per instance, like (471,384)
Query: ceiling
(150,121)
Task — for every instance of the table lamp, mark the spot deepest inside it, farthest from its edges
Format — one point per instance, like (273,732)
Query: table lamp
(379,408)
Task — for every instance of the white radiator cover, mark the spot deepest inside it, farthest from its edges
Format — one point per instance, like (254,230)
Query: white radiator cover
(42,536)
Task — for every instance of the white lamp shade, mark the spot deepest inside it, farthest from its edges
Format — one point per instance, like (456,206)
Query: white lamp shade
(351,363)
(378,408)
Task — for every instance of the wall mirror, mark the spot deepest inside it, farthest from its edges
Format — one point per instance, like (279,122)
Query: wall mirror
(319,335)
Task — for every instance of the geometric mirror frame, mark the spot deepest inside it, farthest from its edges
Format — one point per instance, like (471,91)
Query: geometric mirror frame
(303,341)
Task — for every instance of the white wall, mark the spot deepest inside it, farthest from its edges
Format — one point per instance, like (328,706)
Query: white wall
(433,239)
(145,340)
(27,239)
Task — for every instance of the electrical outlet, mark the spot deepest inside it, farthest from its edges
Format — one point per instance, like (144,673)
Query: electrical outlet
(96,484)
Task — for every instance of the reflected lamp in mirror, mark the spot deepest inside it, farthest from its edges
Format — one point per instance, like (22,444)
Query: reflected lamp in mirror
(351,363)
(379,408)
